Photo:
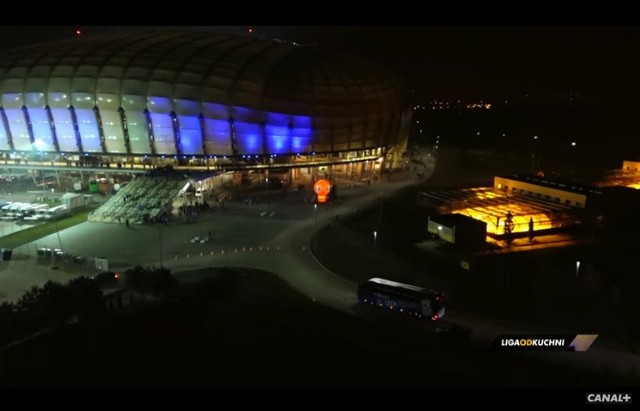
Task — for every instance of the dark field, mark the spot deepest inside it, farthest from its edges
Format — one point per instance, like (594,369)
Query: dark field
(247,328)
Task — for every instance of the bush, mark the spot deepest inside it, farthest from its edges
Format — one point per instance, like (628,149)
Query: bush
(49,306)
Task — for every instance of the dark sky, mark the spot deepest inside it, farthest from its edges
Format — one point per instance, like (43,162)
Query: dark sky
(465,61)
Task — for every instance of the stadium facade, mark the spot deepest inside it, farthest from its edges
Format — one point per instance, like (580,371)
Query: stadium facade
(197,95)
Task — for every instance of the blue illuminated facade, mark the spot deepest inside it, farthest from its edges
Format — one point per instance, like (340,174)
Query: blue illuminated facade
(194,94)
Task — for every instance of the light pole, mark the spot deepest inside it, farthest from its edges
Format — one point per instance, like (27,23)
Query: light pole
(58,234)
(315,231)
(40,146)
(160,243)
(573,156)
(381,210)
(375,239)
(534,156)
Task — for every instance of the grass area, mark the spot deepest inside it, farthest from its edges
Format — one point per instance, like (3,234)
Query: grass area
(34,233)
(243,327)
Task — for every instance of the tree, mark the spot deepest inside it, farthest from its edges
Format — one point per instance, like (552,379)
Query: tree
(42,306)
(53,303)
(50,305)
(7,318)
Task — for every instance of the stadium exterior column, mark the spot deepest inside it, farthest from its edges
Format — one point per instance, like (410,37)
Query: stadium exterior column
(54,134)
(76,128)
(125,129)
(5,122)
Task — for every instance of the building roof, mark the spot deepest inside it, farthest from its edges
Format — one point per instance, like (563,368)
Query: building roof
(451,220)
(220,69)
(557,184)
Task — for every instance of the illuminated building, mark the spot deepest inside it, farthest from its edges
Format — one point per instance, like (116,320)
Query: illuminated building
(633,166)
(184,95)
(628,176)
(570,194)
(548,204)
(458,229)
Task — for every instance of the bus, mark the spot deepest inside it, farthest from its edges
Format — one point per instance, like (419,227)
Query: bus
(402,298)
(56,212)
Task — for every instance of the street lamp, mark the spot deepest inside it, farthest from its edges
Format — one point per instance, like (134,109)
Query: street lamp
(40,146)
(375,239)
(315,213)
(536,156)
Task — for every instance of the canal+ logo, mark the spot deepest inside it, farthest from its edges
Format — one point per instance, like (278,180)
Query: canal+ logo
(609,398)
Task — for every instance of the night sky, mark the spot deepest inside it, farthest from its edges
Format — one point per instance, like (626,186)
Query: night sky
(457,62)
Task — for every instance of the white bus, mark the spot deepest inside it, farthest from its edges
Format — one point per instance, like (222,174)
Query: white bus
(56,212)
(36,212)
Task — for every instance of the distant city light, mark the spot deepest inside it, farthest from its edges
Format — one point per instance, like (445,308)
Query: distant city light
(78,32)
(573,143)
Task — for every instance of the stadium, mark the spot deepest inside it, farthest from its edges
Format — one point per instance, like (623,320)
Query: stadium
(198,99)
(195,112)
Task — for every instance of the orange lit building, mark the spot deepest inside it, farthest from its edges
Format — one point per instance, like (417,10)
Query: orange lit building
(548,204)
(628,176)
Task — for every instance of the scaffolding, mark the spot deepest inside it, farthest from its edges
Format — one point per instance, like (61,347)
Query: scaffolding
(492,207)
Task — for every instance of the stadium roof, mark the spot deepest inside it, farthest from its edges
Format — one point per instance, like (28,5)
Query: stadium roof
(204,67)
